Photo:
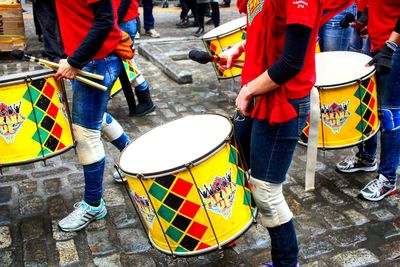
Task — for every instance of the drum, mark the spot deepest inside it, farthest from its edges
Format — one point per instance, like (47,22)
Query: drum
(34,118)
(222,37)
(186,181)
(348,100)
(131,70)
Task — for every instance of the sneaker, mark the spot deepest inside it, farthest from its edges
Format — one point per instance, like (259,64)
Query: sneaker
(152,33)
(137,36)
(119,176)
(354,164)
(378,188)
(82,216)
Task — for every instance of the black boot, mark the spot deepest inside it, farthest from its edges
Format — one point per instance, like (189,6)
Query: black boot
(145,105)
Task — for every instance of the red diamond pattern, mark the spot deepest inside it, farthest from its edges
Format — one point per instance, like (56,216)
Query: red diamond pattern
(189,209)
(49,90)
(57,131)
(202,246)
(197,230)
(182,187)
(60,146)
(53,111)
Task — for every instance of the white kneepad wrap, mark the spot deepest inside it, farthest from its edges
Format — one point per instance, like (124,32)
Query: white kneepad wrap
(88,145)
(110,128)
(270,203)
(138,81)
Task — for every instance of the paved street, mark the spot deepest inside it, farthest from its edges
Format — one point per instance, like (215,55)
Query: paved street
(335,227)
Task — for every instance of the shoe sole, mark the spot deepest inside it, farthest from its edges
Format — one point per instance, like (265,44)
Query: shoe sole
(365,169)
(393,192)
(84,225)
(144,113)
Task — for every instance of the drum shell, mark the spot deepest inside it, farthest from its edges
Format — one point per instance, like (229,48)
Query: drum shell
(131,70)
(357,122)
(176,198)
(39,124)
(217,44)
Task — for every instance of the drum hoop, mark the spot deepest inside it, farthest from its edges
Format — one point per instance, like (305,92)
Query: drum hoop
(224,34)
(51,155)
(338,85)
(203,251)
(212,152)
(21,77)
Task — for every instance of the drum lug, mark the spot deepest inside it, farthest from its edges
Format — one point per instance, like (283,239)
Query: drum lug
(221,252)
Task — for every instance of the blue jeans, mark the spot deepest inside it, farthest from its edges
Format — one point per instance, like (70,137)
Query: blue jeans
(269,151)
(332,36)
(358,44)
(389,96)
(88,107)
(129,27)
(148,19)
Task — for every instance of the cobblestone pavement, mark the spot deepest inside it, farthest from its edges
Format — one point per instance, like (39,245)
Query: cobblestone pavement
(335,227)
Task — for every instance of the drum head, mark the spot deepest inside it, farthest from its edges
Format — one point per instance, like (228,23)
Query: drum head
(167,148)
(338,68)
(225,28)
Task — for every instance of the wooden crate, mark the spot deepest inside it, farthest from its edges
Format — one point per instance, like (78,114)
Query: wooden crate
(12,31)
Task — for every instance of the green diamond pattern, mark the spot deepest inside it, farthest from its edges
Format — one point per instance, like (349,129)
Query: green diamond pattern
(240,177)
(180,249)
(35,95)
(166,213)
(174,234)
(361,109)
(39,115)
(157,192)
(247,197)
(233,156)
(43,136)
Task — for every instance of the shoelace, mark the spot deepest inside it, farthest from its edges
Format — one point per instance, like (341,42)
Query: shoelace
(80,209)
(376,185)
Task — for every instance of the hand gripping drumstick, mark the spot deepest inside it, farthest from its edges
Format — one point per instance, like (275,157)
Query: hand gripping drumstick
(21,55)
(204,58)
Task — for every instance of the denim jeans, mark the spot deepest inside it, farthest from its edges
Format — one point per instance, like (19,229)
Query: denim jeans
(148,19)
(332,36)
(130,27)
(88,107)
(358,44)
(269,150)
(389,96)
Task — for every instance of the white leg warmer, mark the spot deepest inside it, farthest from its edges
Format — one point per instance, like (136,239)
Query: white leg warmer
(270,203)
(88,145)
(110,128)
(138,81)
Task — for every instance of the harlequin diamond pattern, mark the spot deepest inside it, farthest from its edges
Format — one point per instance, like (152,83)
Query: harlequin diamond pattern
(179,212)
(366,108)
(40,94)
(304,134)
(131,71)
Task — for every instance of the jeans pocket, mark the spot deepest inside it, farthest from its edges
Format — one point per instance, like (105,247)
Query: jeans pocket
(303,112)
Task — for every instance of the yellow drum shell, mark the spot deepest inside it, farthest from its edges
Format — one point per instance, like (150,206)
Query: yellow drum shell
(349,110)
(222,37)
(35,119)
(131,70)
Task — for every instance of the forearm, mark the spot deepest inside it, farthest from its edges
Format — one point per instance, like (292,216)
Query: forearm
(122,9)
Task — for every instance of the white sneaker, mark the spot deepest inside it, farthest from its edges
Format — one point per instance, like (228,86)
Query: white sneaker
(152,33)
(137,36)
(119,176)
(82,216)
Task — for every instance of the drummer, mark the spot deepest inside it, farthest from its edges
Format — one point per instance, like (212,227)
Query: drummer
(89,43)
(384,33)
(274,101)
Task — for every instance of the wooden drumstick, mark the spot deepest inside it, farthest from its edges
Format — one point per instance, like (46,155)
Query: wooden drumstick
(19,54)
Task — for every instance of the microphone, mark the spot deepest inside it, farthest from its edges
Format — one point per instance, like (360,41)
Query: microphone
(346,20)
(202,57)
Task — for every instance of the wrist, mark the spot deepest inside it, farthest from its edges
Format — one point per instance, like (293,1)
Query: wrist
(247,90)
(391,44)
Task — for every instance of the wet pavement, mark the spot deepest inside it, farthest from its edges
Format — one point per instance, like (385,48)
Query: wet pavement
(335,227)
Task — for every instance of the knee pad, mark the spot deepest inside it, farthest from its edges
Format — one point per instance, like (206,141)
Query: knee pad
(88,145)
(110,128)
(390,119)
(270,203)
(138,81)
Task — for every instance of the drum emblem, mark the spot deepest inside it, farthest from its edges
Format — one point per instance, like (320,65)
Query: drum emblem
(335,115)
(11,121)
(253,8)
(145,209)
(220,194)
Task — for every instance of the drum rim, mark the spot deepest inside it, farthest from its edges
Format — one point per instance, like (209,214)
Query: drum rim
(231,239)
(212,152)
(17,78)
(205,38)
(351,82)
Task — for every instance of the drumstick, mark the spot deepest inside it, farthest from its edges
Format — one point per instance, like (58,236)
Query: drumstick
(19,54)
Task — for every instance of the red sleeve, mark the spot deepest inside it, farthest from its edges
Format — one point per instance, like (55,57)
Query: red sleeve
(302,12)
(92,1)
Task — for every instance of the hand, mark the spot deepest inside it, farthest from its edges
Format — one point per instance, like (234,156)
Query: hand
(65,70)
(383,59)
(243,101)
(231,54)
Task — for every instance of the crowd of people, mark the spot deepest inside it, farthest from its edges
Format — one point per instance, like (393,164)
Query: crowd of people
(274,99)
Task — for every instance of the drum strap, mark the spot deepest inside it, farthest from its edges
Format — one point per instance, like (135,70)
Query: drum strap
(312,145)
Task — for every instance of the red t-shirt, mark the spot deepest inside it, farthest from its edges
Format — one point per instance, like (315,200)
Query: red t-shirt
(132,12)
(75,19)
(361,5)
(382,18)
(266,25)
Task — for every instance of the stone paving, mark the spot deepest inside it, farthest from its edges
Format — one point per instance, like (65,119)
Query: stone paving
(334,226)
